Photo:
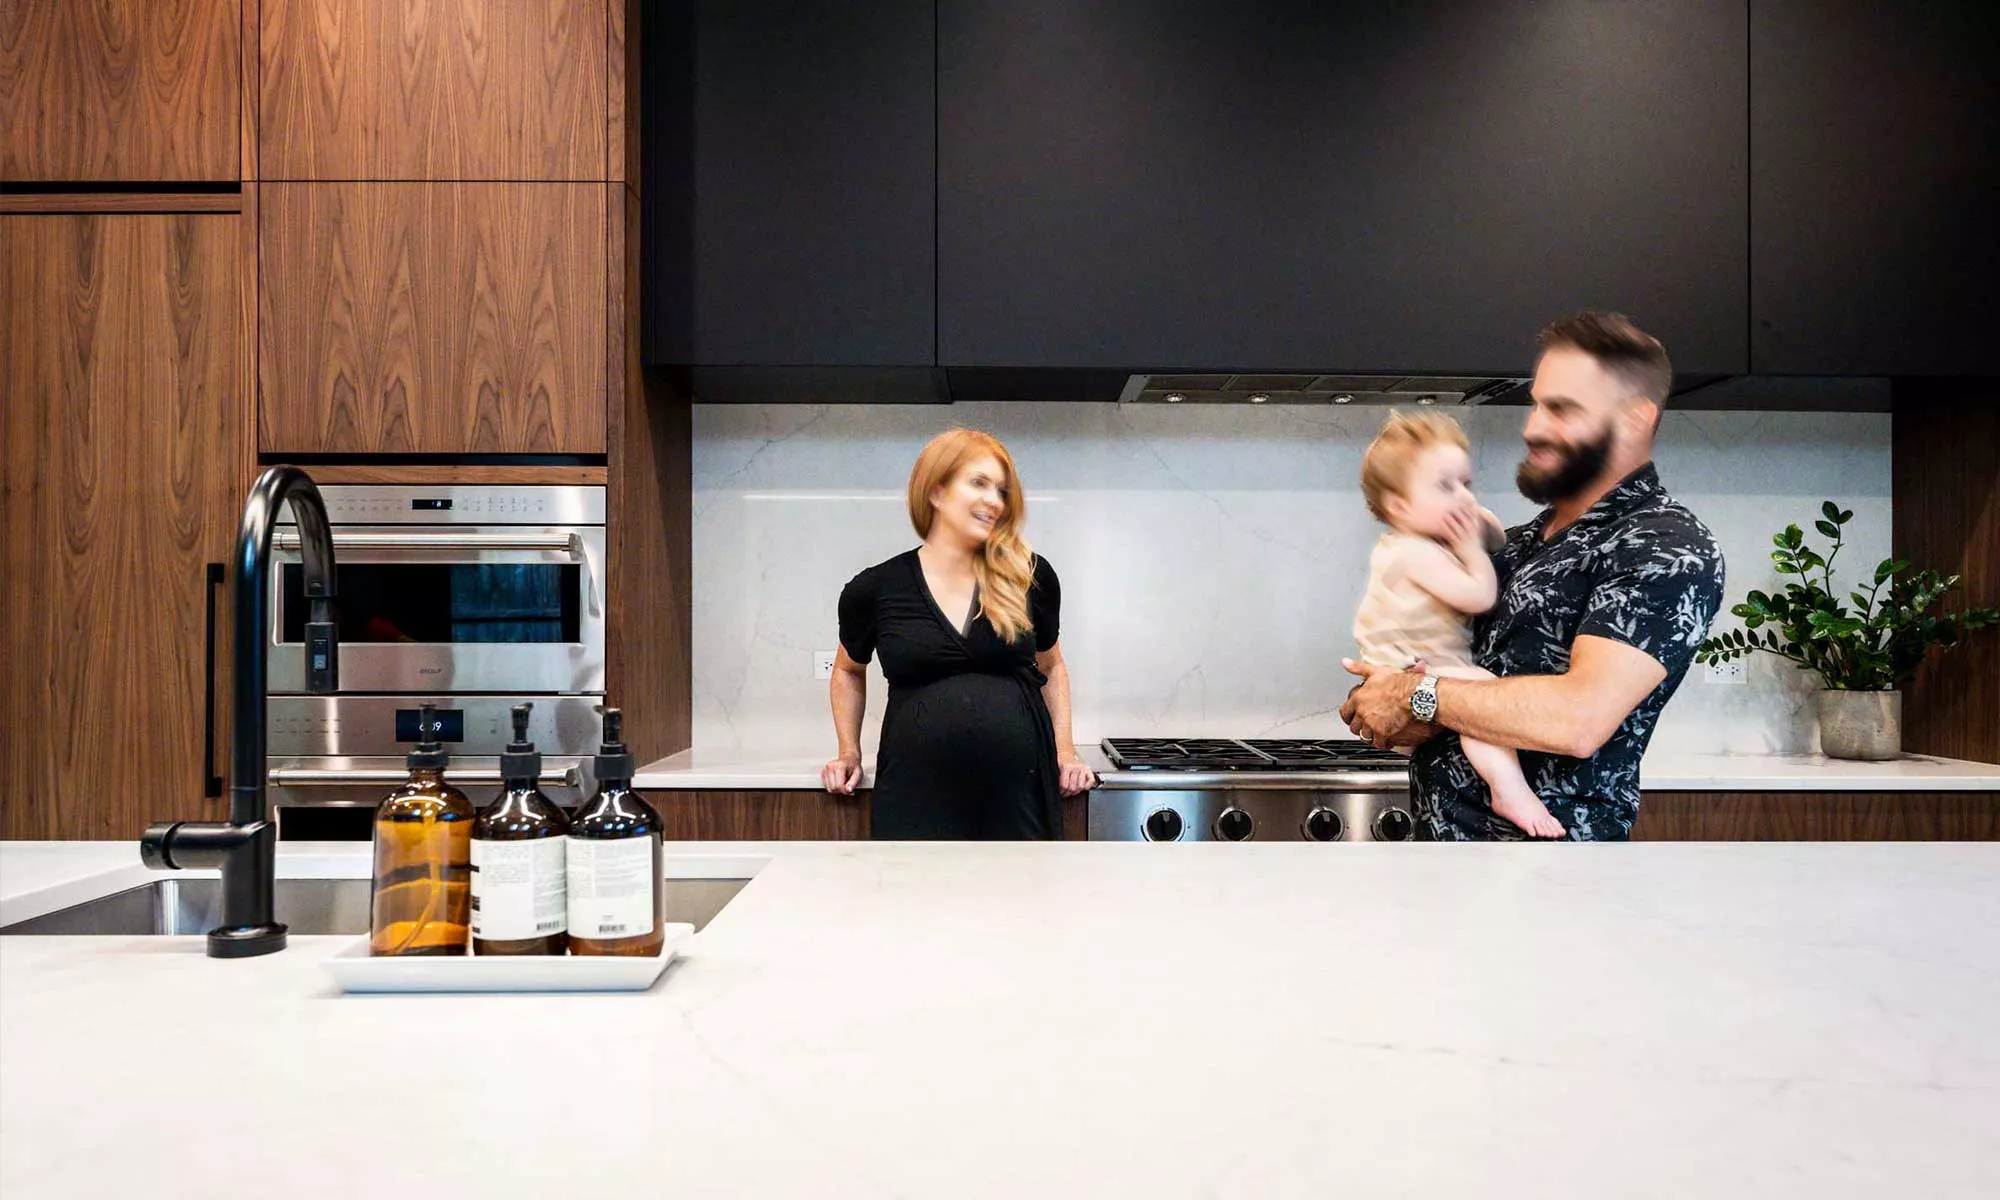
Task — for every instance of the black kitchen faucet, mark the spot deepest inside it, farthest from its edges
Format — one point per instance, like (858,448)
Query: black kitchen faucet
(244,847)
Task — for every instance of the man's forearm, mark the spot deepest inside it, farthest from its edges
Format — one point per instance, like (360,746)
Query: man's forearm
(1571,714)
(1546,713)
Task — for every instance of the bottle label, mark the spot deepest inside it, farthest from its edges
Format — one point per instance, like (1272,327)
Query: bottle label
(611,887)
(519,889)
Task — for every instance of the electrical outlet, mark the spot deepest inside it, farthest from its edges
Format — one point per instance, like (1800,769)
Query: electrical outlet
(1732,672)
(823,664)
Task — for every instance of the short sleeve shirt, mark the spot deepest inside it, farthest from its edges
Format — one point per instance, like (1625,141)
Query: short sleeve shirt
(887,609)
(1637,568)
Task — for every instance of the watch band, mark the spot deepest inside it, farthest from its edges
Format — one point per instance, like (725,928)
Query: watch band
(1424,701)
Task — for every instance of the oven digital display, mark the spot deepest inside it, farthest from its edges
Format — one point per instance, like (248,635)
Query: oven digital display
(450,722)
(444,603)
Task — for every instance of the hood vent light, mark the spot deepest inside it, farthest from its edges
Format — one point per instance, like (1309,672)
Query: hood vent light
(1439,390)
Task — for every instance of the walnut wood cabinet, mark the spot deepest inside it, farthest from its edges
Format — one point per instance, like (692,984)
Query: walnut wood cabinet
(431,318)
(123,371)
(799,814)
(119,90)
(446,90)
(1818,817)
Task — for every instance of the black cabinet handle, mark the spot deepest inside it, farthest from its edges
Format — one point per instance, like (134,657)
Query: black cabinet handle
(211,782)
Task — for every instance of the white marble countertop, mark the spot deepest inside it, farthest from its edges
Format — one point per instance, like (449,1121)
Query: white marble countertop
(752,770)
(1670,771)
(1089,1019)
(1663,770)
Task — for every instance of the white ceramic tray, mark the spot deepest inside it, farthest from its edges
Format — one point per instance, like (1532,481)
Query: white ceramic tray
(358,971)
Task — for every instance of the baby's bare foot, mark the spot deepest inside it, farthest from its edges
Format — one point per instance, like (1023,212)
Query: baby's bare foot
(1530,814)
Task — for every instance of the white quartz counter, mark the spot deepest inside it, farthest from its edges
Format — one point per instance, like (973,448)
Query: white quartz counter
(1088,1020)
(1663,770)
(750,770)
(1668,771)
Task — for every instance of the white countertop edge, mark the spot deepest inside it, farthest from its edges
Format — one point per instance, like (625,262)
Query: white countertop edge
(37,878)
(88,880)
(1666,771)
(1814,773)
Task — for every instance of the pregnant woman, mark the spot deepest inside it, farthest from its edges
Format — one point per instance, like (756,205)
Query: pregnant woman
(976,739)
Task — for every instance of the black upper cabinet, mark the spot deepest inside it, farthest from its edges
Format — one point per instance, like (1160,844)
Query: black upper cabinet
(1345,187)
(811,236)
(1875,180)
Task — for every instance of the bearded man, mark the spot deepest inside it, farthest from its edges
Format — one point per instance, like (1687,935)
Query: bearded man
(1604,598)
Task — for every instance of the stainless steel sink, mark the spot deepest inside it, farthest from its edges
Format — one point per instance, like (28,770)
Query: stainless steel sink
(308,906)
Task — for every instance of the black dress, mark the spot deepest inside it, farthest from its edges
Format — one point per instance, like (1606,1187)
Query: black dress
(968,751)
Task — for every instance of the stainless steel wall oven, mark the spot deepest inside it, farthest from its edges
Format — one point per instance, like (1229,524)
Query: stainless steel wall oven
(473,598)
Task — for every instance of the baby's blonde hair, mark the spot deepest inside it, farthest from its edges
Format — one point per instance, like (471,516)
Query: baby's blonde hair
(1386,464)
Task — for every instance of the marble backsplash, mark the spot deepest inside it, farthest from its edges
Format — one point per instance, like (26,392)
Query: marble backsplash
(1211,557)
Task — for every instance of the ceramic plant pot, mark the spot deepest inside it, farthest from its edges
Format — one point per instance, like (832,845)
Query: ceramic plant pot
(1863,725)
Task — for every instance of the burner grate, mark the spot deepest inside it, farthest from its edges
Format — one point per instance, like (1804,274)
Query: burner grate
(1183,754)
(1253,754)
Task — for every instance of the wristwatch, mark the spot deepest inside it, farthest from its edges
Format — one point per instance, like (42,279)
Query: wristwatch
(1424,701)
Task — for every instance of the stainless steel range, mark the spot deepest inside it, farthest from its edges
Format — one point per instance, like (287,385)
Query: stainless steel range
(1259,789)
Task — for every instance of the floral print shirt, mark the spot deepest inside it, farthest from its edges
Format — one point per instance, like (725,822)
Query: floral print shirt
(1637,568)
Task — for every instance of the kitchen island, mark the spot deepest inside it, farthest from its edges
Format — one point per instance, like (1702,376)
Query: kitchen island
(1080,1019)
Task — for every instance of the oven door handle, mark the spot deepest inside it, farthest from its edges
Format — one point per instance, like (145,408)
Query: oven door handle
(593,571)
(376,776)
(572,544)
(554,543)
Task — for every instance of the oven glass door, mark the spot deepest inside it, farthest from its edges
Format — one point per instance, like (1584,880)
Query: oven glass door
(457,603)
(471,610)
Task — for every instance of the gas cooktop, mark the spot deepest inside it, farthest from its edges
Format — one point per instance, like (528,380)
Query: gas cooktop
(1250,754)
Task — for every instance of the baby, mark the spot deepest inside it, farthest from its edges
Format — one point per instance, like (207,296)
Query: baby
(1428,573)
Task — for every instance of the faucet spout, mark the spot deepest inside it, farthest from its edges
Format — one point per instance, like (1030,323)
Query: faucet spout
(244,848)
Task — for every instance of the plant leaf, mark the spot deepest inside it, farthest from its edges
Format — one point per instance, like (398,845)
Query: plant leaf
(1829,510)
(1827,528)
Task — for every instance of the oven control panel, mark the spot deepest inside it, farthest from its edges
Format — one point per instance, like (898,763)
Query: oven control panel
(368,726)
(486,504)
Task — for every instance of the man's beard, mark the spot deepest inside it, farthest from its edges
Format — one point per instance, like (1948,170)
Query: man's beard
(1576,467)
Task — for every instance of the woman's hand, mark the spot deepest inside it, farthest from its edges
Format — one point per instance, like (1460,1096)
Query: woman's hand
(842,775)
(1076,777)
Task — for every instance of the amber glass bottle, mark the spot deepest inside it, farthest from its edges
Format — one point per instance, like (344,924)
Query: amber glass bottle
(519,896)
(423,853)
(616,890)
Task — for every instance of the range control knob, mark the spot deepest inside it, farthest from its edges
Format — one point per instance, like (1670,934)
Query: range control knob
(1322,824)
(1394,825)
(1234,825)
(1163,825)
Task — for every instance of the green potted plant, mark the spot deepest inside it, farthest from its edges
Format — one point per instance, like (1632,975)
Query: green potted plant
(1862,653)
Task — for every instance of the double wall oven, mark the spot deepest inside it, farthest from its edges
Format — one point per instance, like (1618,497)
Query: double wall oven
(472,598)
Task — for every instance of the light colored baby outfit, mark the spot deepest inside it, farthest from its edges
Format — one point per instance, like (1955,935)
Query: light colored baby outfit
(1400,623)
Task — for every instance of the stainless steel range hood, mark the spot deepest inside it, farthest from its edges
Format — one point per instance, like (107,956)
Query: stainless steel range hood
(959,384)
(1217,388)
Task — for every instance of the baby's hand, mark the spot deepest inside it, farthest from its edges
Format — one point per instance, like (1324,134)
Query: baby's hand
(1465,532)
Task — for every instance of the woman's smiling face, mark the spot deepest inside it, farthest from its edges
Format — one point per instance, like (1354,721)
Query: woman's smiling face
(974,500)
